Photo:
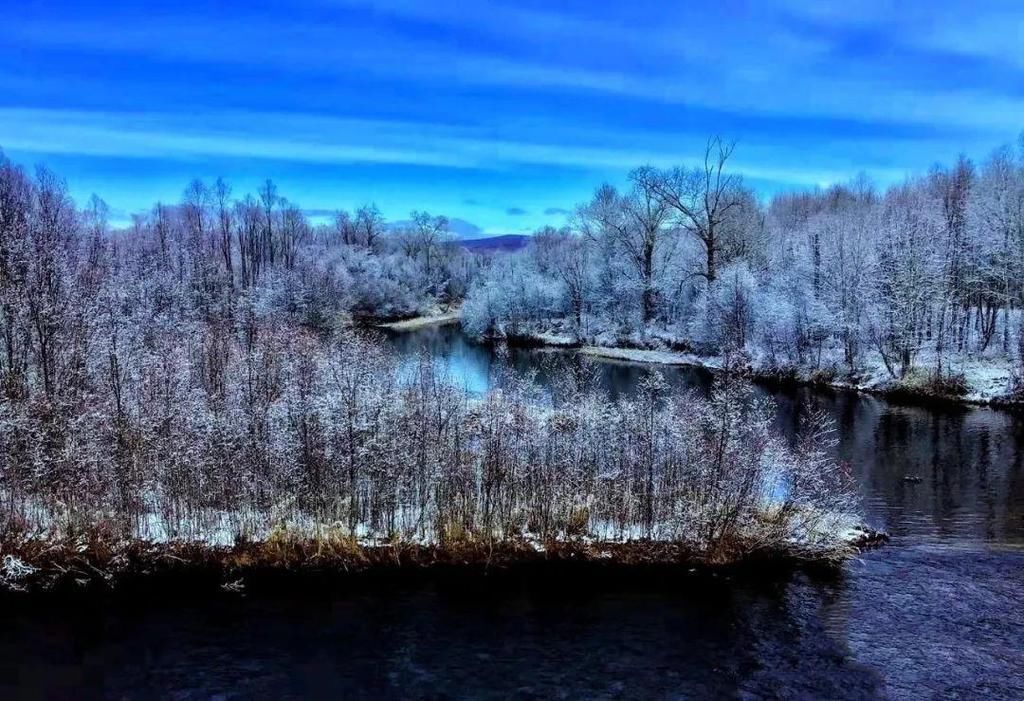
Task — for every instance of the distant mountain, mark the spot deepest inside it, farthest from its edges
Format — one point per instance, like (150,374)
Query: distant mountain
(459,228)
(507,242)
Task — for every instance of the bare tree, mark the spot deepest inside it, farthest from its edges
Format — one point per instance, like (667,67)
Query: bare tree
(294,232)
(269,199)
(370,225)
(422,239)
(15,211)
(225,222)
(702,197)
(345,229)
(249,235)
(195,201)
(561,253)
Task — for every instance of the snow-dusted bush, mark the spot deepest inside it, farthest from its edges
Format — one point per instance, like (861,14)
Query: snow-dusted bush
(724,313)
(278,425)
(513,299)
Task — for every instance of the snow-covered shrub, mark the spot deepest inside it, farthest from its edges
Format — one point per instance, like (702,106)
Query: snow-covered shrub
(513,299)
(724,312)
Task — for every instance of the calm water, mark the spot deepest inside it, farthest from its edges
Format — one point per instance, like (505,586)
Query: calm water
(939,613)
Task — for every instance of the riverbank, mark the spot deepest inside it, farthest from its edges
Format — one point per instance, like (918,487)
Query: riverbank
(35,565)
(974,383)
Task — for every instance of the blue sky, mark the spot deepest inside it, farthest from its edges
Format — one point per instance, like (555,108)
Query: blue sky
(499,113)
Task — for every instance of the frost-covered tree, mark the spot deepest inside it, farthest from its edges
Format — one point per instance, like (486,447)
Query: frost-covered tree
(634,230)
(908,278)
(704,200)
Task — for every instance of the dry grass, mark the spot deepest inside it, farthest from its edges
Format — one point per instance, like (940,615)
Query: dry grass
(102,560)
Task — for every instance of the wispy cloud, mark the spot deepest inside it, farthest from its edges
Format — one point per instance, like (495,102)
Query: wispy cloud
(313,139)
(319,213)
(460,228)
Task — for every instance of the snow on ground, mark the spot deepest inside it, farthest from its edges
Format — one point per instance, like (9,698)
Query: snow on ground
(434,319)
(987,379)
(659,357)
(555,339)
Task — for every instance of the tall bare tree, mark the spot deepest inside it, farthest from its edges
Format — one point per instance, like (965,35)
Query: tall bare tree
(225,222)
(702,197)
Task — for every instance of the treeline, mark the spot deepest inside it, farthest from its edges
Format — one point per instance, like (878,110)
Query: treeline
(849,278)
(358,266)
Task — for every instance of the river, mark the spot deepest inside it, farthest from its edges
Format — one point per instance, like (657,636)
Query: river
(938,613)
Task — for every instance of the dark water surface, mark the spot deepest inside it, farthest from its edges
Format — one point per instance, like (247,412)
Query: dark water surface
(939,613)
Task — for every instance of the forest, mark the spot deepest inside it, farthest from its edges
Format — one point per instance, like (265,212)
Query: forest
(917,286)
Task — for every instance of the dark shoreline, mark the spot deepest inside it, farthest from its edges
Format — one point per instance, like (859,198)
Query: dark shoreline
(139,567)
